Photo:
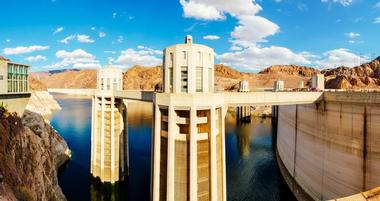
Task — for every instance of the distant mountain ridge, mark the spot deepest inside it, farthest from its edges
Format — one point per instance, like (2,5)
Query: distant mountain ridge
(365,76)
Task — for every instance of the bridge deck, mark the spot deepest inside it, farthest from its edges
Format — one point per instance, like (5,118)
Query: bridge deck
(233,99)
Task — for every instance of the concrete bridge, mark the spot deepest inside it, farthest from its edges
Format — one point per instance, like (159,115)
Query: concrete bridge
(231,99)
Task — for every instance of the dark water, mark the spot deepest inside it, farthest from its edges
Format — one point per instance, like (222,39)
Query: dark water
(252,172)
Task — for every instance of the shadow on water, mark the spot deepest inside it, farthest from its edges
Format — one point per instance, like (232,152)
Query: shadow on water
(252,172)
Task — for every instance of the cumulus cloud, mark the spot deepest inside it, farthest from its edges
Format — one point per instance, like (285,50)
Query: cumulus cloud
(211,37)
(256,58)
(340,57)
(58,30)
(36,58)
(79,37)
(84,39)
(344,3)
(142,56)
(77,59)
(24,49)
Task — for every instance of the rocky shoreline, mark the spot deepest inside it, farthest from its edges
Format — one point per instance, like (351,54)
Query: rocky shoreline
(41,102)
(31,152)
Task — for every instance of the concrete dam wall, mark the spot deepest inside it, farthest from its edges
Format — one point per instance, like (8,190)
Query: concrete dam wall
(330,149)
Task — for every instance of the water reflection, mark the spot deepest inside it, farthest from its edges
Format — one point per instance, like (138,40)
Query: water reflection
(243,139)
(252,172)
(107,192)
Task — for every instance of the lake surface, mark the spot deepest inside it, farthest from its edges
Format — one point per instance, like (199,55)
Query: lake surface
(252,172)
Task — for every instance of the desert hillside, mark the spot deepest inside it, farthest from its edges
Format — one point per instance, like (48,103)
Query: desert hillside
(366,76)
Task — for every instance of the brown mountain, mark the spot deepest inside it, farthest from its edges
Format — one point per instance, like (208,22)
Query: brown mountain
(290,70)
(365,76)
(226,78)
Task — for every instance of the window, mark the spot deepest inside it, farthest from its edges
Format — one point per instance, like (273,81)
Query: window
(171,79)
(184,79)
(210,81)
(199,56)
(199,79)
(184,54)
(108,84)
(1,77)
(171,59)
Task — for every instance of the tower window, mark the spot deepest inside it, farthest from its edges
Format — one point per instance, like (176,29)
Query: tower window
(184,54)
(199,79)
(184,79)
(171,79)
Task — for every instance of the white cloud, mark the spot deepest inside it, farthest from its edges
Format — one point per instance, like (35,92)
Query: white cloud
(352,35)
(36,58)
(344,3)
(8,40)
(340,57)
(76,59)
(253,29)
(84,39)
(377,20)
(211,37)
(114,15)
(102,34)
(200,11)
(256,58)
(79,37)
(142,56)
(58,30)
(93,28)
(24,49)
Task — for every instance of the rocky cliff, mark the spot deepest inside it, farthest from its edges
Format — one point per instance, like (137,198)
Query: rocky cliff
(43,103)
(365,76)
(30,153)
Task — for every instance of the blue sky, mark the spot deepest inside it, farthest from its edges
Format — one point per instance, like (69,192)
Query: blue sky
(247,35)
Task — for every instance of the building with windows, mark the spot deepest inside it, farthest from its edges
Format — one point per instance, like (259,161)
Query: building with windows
(14,85)
(188,161)
(188,68)
(13,77)
(109,139)
(110,78)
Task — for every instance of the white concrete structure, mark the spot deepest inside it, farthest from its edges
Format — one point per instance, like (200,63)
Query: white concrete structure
(188,160)
(318,82)
(109,139)
(278,85)
(110,79)
(188,68)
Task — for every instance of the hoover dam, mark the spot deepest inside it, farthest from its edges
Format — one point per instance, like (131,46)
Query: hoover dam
(330,149)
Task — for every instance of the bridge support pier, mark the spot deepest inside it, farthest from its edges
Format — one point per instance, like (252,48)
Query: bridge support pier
(109,138)
(244,113)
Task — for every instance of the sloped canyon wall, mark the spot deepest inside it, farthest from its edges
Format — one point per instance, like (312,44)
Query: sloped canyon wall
(331,149)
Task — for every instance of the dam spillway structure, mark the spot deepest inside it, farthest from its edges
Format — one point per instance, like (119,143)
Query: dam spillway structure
(109,138)
(188,152)
(243,112)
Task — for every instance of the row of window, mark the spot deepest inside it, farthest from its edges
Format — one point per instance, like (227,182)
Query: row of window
(106,84)
(184,79)
(17,78)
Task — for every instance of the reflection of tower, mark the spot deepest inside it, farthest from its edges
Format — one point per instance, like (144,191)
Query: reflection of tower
(244,112)
(188,160)
(109,141)
(243,139)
